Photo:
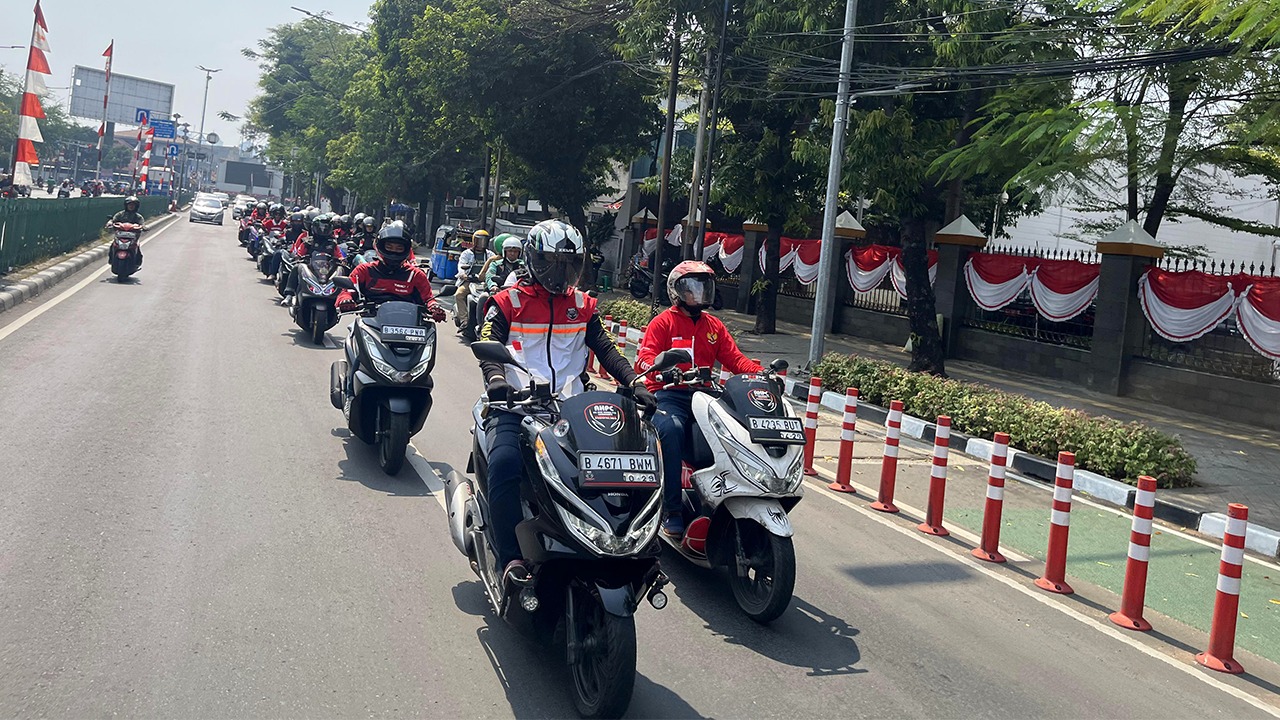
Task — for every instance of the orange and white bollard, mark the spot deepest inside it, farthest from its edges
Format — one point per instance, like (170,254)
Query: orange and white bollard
(811,423)
(989,550)
(1134,596)
(1226,605)
(1055,564)
(889,467)
(932,524)
(844,468)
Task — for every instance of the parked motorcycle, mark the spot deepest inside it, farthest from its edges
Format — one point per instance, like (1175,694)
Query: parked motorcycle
(313,308)
(123,256)
(383,385)
(592,509)
(742,477)
(641,282)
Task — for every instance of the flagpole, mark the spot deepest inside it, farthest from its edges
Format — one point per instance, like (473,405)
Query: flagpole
(26,90)
(35,22)
(102,130)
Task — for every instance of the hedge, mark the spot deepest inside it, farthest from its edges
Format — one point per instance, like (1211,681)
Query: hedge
(1103,445)
(635,312)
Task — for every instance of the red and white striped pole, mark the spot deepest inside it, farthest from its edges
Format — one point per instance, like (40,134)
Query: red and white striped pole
(932,524)
(608,325)
(847,428)
(1055,564)
(811,423)
(889,467)
(989,550)
(1135,570)
(1226,605)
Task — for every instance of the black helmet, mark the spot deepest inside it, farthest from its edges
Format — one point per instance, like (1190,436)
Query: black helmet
(395,236)
(297,219)
(262,207)
(132,199)
(554,252)
(344,222)
(277,210)
(322,226)
(369,223)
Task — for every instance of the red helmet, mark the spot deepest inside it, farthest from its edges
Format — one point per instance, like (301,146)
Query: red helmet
(692,286)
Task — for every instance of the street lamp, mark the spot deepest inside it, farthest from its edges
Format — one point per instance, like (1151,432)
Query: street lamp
(208,75)
(995,215)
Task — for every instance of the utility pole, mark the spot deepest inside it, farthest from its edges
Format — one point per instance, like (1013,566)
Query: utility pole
(695,180)
(208,75)
(822,305)
(484,186)
(667,145)
(497,191)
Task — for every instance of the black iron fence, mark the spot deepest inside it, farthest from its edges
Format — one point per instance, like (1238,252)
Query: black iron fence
(1021,319)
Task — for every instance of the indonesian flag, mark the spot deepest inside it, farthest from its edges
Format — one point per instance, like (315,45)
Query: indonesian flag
(146,158)
(102,129)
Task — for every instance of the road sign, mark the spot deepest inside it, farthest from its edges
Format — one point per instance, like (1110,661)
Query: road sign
(163,129)
(173,151)
(142,116)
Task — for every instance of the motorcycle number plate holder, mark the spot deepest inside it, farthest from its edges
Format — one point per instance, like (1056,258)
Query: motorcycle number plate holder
(775,430)
(412,335)
(629,470)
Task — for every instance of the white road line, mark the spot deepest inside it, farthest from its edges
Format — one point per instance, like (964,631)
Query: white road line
(1039,597)
(13,327)
(430,476)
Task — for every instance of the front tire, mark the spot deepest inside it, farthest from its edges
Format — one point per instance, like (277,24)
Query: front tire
(393,440)
(317,327)
(762,574)
(605,674)
(638,293)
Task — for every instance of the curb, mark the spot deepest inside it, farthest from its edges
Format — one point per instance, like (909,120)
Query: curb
(1258,538)
(45,280)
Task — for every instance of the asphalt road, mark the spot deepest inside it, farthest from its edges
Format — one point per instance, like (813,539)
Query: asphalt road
(186,530)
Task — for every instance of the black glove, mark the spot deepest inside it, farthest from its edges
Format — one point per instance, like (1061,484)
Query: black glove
(498,389)
(646,400)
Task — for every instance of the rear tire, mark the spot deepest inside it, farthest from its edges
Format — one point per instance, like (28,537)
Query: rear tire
(604,677)
(122,277)
(638,294)
(764,589)
(393,440)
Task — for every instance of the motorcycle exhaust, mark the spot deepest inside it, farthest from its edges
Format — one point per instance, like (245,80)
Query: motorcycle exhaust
(457,493)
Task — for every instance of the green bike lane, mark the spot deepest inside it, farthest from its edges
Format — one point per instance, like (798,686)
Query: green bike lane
(1182,575)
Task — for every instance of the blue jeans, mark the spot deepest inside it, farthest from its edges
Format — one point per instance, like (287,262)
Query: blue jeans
(506,470)
(674,417)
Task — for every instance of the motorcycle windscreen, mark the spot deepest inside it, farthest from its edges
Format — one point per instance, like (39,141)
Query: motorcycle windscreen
(608,435)
(400,322)
(754,402)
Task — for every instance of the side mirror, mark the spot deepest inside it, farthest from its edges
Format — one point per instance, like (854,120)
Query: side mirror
(493,351)
(779,365)
(344,282)
(448,290)
(670,359)
(593,293)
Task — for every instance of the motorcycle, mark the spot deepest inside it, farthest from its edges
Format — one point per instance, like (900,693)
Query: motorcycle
(64,192)
(741,478)
(245,225)
(254,243)
(641,282)
(383,385)
(313,308)
(591,511)
(123,256)
(467,317)
(271,245)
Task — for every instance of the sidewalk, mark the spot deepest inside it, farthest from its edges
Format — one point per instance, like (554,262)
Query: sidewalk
(1236,462)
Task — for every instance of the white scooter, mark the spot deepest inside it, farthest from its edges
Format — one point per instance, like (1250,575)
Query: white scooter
(742,474)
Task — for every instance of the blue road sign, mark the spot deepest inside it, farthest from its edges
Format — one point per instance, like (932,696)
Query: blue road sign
(173,151)
(141,116)
(163,128)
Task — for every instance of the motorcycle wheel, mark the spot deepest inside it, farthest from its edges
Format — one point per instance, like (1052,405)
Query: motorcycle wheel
(638,293)
(122,277)
(605,674)
(393,440)
(317,327)
(763,574)
(337,376)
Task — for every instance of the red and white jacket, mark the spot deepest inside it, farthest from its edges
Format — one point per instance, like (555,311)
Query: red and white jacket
(551,331)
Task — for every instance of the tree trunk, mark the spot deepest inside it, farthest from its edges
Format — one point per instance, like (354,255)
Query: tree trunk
(1181,83)
(767,302)
(926,344)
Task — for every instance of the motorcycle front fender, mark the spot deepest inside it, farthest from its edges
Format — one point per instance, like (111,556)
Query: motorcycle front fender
(767,512)
(620,602)
(399,405)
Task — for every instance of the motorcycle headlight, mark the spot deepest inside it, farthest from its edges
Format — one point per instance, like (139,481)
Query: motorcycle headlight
(795,474)
(604,542)
(383,367)
(427,353)
(744,460)
(322,289)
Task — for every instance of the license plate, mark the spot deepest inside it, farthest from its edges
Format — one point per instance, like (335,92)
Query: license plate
(414,335)
(626,462)
(775,430)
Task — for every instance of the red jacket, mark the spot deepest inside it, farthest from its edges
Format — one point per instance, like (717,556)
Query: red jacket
(407,283)
(272,224)
(711,343)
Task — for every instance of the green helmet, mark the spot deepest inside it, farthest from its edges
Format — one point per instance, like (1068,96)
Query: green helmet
(497,242)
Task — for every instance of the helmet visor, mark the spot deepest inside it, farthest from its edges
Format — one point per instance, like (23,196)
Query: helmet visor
(556,272)
(695,290)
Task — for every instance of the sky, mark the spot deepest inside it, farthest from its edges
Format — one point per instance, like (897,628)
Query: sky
(164,42)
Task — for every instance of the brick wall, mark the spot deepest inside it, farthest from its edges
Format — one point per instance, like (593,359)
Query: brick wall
(1027,356)
(1239,400)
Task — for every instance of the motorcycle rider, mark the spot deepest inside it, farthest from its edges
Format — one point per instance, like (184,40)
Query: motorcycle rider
(276,220)
(466,261)
(557,325)
(392,276)
(260,212)
(497,270)
(293,233)
(321,237)
(691,287)
(130,214)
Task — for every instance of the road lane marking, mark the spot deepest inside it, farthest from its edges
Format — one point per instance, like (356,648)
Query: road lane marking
(53,302)
(430,476)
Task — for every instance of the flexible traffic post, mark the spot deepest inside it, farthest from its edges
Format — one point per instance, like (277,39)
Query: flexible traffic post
(989,549)
(844,468)
(932,524)
(1226,604)
(1055,564)
(622,337)
(811,423)
(1133,598)
(889,467)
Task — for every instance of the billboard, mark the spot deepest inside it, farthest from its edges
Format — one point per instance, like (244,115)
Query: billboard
(245,174)
(129,95)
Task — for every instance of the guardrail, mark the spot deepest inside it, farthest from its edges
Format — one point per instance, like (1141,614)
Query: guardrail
(34,230)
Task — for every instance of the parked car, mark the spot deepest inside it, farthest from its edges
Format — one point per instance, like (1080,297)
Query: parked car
(206,209)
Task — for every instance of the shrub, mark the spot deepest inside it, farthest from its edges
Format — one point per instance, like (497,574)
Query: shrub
(635,312)
(1103,445)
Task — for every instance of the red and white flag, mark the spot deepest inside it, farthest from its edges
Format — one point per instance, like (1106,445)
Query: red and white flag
(146,158)
(102,129)
(30,111)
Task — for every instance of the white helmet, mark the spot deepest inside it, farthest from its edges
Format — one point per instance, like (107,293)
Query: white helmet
(554,253)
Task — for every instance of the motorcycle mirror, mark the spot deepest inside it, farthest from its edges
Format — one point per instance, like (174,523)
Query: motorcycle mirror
(779,365)
(448,290)
(493,351)
(593,293)
(343,282)
(670,359)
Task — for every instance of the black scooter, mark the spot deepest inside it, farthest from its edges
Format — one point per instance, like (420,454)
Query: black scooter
(592,506)
(383,386)
(313,306)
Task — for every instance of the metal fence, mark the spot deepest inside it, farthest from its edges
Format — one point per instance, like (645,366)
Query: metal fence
(790,286)
(883,298)
(1021,319)
(34,230)
(1224,350)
